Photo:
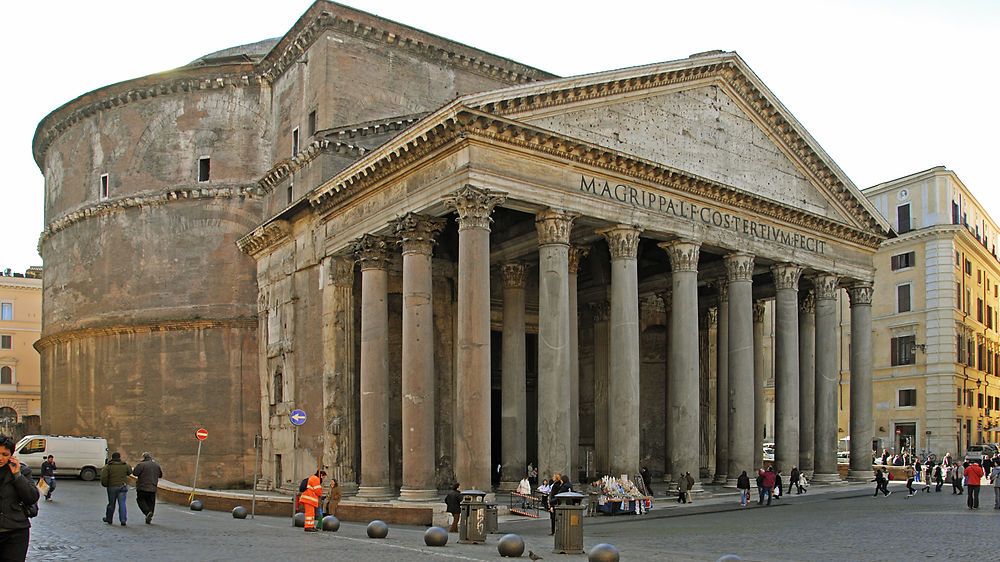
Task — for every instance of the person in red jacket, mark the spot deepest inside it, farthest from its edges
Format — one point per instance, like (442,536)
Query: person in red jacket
(310,500)
(973,474)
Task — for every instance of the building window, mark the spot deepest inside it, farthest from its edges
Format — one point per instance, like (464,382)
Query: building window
(954,212)
(289,194)
(295,141)
(958,393)
(103,190)
(979,276)
(979,401)
(900,261)
(903,298)
(204,168)
(902,350)
(958,259)
(312,122)
(6,342)
(958,349)
(279,388)
(968,300)
(979,310)
(903,218)
(971,353)
(7,311)
(968,267)
(907,397)
(8,416)
(958,296)
(6,375)
(989,317)
(979,358)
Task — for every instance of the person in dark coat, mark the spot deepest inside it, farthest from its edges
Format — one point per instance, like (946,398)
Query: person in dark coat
(557,488)
(114,477)
(453,501)
(793,480)
(880,483)
(147,476)
(743,485)
(16,491)
(49,475)
(647,480)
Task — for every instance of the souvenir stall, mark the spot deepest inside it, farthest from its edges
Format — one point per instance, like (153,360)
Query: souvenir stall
(622,496)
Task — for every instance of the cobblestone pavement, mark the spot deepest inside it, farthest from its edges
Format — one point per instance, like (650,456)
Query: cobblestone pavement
(842,523)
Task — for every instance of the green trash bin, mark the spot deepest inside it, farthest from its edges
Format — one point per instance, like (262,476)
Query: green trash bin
(569,523)
(472,525)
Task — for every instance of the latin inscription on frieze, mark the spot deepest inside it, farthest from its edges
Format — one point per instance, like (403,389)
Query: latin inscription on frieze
(701,214)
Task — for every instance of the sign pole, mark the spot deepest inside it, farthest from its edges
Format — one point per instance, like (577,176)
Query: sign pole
(297,417)
(256,469)
(197,461)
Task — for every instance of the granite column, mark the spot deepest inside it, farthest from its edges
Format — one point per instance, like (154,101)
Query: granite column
(722,385)
(513,389)
(786,366)
(807,380)
(739,273)
(759,410)
(861,424)
(825,459)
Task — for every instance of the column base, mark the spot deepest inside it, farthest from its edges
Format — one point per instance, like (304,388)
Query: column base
(732,482)
(860,475)
(375,494)
(827,478)
(507,486)
(348,489)
(720,479)
(412,495)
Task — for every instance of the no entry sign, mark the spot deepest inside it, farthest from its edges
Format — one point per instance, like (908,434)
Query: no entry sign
(201,434)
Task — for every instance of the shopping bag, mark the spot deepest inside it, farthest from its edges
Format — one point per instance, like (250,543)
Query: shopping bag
(43,486)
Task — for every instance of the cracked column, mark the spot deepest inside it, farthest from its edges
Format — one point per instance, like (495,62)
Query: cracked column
(862,424)
(683,376)
(373,258)
(553,226)
(807,380)
(472,356)
(722,385)
(739,274)
(576,253)
(416,235)
(338,369)
(513,417)
(759,413)
(825,437)
(786,366)
(623,244)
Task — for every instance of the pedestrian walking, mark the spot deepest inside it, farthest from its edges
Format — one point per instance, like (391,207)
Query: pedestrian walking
(49,475)
(453,505)
(794,480)
(333,498)
(147,474)
(647,480)
(973,475)
(956,479)
(743,485)
(16,489)
(594,498)
(777,485)
(881,484)
(767,480)
(938,478)
(310,501)
(760,487)
(114,477)
(995,477)
(682,489)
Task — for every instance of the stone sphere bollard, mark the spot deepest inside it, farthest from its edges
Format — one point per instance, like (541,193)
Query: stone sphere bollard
(511,546)
(378,529)
(728,558)
(435,536)
(331,523)
(239,512)
(197,506)
(603,552)
(300,519)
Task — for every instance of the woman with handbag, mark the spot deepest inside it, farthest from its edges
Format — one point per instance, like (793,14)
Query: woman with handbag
(17,493)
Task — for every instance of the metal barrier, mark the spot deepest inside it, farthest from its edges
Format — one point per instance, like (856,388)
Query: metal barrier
(522,504)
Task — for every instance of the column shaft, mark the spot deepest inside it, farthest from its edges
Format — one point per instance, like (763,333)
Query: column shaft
(338,368)
(862,426)
(722,386)
(576,254)
(472,362)
(373,257)
(553,228)
(416,234)
(739,268)
(825,460)
(602,388)
(786,367)
(759,411)
(683,416)
(513,430)
(807,381)
(623,243)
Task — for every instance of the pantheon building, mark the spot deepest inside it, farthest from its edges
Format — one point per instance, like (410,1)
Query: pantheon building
(454,264)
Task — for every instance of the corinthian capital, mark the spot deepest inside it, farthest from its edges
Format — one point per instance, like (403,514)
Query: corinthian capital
(474,206)
(514,275)
(623,240)
(372,251)
(576,255)
(683,254)
(341,270)
(807,304)
(786,276)
(417,232)
(554,226)
(860,293)
(758,311)
(722,285)
(739,267)
(826,286)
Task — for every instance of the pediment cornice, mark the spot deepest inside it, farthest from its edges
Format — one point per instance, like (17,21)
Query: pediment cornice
(726,69)
(263,237)
(465,124)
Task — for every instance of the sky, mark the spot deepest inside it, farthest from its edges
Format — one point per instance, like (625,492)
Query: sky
(887,88)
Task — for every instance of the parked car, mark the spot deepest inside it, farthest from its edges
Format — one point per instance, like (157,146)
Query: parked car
(769,451)
(74,456)
(975,453)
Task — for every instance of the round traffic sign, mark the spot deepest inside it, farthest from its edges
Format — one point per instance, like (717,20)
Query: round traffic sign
(201,434)
(298,417)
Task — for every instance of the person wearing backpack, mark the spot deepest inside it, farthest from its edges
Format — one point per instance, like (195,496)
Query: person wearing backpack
(310,500)
(17,492)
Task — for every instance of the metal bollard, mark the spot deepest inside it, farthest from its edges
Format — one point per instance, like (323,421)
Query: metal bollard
(472,525)
(569,523)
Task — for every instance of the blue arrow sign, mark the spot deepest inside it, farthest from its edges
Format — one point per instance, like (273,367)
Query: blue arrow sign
(298,417)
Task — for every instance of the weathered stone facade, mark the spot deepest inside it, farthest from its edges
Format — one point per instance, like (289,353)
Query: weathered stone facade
(624,198)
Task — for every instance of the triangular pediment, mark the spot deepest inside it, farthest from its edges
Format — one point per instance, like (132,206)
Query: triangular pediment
(708,116)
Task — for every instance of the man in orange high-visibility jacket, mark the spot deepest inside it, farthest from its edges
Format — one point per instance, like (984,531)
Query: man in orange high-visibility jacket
(310,500)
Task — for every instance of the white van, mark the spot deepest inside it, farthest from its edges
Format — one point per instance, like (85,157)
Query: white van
(74,456)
